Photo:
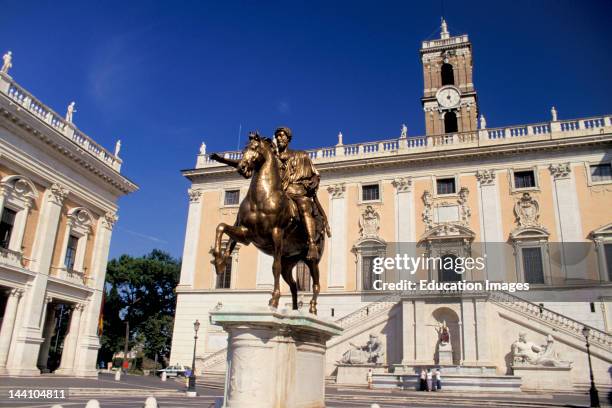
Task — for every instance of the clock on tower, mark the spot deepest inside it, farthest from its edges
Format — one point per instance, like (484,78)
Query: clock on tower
(449,98)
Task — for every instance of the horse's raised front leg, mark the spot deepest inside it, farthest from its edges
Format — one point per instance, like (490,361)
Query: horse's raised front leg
(236,233)
(277,239)
(313,266)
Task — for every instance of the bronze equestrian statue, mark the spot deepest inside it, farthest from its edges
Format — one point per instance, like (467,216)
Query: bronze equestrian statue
(280,214)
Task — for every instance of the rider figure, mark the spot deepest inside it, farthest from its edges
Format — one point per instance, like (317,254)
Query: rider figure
(300,181)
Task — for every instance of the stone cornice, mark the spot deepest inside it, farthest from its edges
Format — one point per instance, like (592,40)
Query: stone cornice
(20,119)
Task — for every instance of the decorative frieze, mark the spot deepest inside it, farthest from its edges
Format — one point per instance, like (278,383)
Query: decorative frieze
(402,184)
(337,190)
(58,193)
(527,211)
(560,171)
(441,212)
(428,210)
(464,209)
(485,177)
(194,195)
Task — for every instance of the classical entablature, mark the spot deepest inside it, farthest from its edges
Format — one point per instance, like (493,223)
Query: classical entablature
(529,234)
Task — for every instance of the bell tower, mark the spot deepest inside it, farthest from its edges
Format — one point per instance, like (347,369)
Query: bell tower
(449,98)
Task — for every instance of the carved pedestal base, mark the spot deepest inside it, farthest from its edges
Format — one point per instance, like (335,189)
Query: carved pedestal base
(275,358)
(357,373)
(445,354)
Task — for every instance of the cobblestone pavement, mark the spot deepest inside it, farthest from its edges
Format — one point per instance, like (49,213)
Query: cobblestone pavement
(131,392)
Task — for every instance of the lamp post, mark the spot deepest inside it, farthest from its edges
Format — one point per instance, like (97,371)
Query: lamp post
(593,390)
(191,390)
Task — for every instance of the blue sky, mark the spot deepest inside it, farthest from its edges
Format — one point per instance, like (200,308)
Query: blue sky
(165,76)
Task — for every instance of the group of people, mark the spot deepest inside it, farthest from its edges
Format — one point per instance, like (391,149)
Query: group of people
(430,381)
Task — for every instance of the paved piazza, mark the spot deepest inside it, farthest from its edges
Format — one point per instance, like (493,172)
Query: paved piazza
(131,392)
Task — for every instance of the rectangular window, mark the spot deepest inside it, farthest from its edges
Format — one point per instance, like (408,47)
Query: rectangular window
(367,276)
(601,172)
(224,280)
(71,250)
(6,227)
(370,193)
(232,197)
(608,255)
(532,265)
(446,186)
(524,179)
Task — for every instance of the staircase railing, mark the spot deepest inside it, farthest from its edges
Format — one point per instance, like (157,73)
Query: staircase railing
(596,336)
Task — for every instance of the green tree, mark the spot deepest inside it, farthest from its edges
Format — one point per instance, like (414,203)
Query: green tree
(140,291)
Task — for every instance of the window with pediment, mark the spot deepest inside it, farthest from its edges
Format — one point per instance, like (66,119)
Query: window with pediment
(17,197)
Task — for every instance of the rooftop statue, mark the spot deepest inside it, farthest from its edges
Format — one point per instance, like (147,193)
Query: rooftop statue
(70,111)
(281,214)
(7,62)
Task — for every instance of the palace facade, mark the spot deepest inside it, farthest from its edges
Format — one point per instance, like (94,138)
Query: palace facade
(58,204)
(533,199)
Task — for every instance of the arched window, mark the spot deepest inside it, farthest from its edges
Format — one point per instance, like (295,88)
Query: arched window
(448,78)
(450,122)
(447,269)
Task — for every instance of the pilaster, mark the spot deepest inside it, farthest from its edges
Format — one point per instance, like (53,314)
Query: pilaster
(468,332)
(491,228)
(568,219)
(408,333)
(192,238)
(336,278)
(70,341)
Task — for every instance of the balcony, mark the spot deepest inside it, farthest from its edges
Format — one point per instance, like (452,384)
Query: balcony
(557,130)
(42,112)
(11,258)
(70,275)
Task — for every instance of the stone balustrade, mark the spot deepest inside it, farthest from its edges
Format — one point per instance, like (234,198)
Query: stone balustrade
(27,101)
(11,258)
(418,144)
(555,319)
(70,275)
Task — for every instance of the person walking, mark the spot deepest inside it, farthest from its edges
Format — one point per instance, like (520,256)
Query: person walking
(429,380)
(423,380)
(438,378)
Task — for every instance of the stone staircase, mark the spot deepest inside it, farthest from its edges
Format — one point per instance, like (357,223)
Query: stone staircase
(567,325)
(215,362)
(358,319)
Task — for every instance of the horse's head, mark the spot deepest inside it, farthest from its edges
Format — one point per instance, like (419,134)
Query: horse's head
(254,154)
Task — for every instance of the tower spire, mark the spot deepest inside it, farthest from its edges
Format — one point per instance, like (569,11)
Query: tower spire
(444,30)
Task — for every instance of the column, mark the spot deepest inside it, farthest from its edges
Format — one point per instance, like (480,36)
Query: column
(88,344)
(468,332)
(569,222)
(405,234)
(491,229)
(192,238)
(24,354)
(336,275)
(408,333)
(47,334)
(8,324)
(70,341)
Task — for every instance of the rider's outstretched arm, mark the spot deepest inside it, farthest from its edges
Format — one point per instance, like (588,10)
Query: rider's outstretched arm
(221,159)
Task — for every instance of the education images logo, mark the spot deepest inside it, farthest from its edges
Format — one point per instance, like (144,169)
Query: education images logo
(457,265)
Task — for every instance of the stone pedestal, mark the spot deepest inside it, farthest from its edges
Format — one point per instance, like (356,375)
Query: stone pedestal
(445,354)
(538,378)
(275,358)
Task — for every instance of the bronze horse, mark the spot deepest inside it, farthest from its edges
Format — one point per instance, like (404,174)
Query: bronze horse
(269,219)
